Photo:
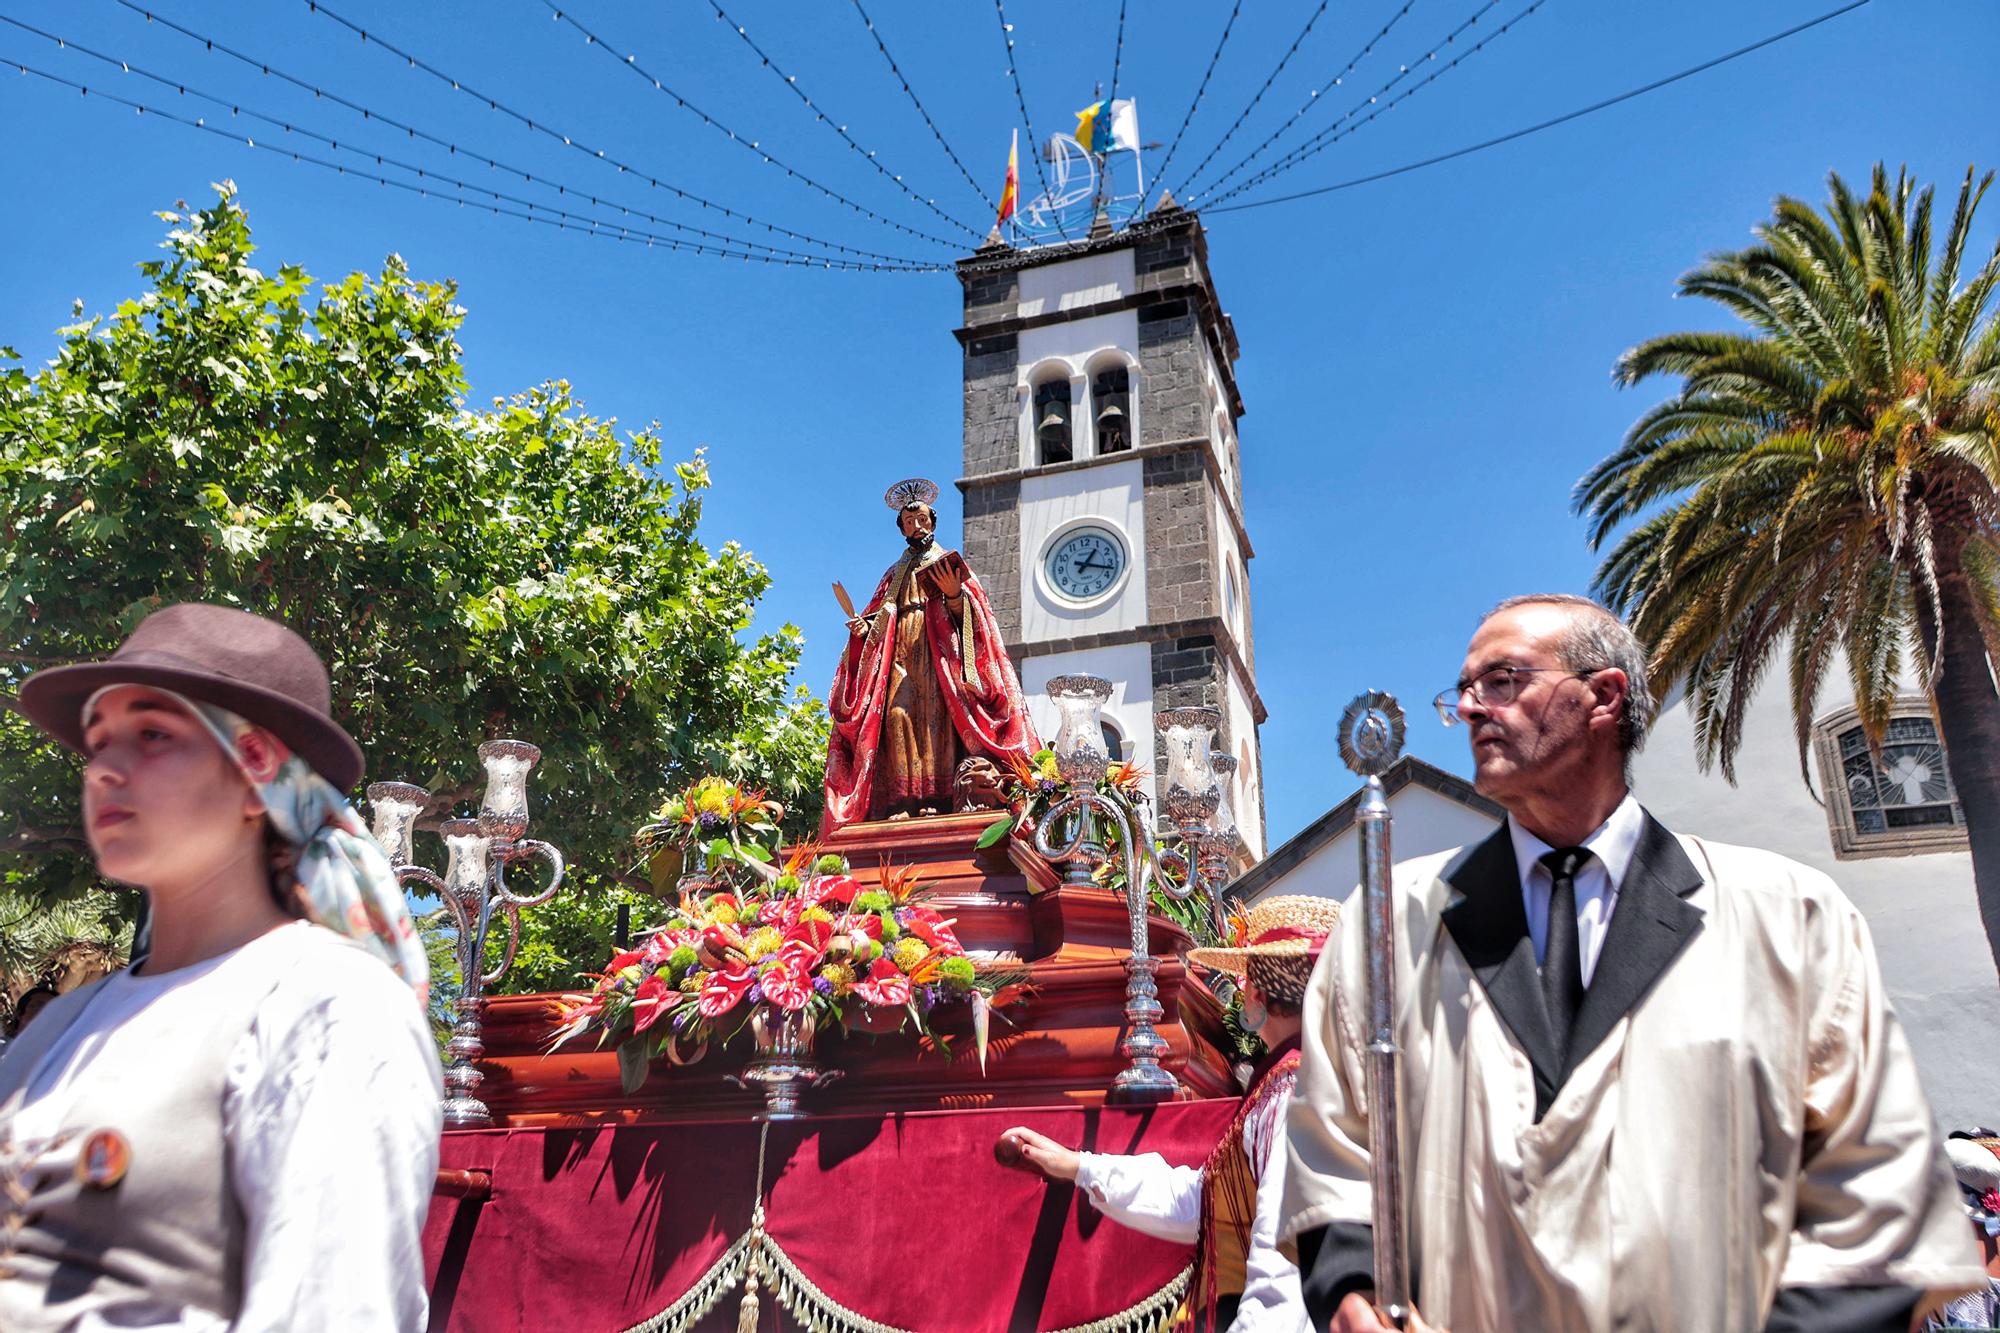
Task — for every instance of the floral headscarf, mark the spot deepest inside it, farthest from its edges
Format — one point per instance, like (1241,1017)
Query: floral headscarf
(345,881)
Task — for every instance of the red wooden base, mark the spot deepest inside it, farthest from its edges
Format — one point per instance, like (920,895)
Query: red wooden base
(1059,1047)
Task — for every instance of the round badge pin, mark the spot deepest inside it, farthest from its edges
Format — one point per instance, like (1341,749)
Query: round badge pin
(105,1157)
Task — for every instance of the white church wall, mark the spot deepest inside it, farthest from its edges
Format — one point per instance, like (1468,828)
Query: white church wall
(1247,799)
(1075,282)
(1920,908)
(1129,668)
(1111,496)
(1071,350)
(1423,822)
(1076,341)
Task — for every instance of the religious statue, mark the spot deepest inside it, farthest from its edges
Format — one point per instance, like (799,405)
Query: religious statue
(924,686)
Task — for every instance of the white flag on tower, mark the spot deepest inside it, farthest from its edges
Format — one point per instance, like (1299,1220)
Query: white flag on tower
(1125,124)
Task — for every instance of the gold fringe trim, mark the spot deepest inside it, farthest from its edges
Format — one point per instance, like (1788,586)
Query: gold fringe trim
(816,1312)
(707,1292)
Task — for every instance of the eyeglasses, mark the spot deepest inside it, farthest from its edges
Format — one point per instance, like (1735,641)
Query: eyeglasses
(1494,689)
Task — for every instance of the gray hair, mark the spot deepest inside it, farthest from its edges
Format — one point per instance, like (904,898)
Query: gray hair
(1597,638)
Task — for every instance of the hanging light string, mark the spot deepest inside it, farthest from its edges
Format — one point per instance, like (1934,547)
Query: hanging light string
(1312,99)
(791,81)
(366,113)
(1552,121)
(1118,56)
(1195,105)
(631,62)
(1333,134)
(380,159)
(1263,88)
(911,93)
(544,215)
(1020,100)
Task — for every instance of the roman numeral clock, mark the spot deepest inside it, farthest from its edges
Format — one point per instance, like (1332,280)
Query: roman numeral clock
(1103,487)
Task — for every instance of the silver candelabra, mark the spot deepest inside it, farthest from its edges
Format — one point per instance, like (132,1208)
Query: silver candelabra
(479,850)
(1199,818)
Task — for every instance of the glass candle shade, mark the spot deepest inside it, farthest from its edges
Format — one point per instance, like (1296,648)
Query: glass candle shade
(1191,791)
(504,811)
(393,809)
(1079,743)
(1222,824)
(469,847)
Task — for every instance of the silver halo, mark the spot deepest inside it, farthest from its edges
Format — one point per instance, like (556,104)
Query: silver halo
(914,490)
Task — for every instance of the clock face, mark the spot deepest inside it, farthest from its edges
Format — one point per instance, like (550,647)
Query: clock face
(1085,563)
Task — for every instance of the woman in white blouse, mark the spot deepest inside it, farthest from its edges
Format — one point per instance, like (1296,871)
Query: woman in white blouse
(1227,1207)
(241,1131)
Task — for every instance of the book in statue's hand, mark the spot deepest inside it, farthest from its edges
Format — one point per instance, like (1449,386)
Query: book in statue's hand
(946,562)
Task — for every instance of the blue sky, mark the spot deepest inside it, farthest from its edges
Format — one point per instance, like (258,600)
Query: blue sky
(1426,359)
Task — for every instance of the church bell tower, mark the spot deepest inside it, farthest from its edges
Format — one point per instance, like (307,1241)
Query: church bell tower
(1103,485)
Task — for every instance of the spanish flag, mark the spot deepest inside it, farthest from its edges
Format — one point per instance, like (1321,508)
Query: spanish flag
(1011,192)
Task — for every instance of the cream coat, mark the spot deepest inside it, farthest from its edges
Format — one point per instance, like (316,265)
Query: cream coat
(1745,1115)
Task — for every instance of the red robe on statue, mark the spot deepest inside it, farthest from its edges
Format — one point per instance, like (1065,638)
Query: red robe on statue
(927,649)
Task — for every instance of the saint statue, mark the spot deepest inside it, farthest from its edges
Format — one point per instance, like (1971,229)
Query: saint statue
(924,685)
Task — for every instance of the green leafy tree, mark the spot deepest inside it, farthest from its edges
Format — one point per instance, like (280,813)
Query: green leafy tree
(1825,486)
(243,436)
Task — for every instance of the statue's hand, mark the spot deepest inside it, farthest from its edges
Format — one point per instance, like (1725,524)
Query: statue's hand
(857,625)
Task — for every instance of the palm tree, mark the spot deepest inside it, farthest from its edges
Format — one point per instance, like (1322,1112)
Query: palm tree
(1826,486)
(63,943)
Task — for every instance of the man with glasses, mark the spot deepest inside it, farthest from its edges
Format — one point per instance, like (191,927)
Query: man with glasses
(1646,1081)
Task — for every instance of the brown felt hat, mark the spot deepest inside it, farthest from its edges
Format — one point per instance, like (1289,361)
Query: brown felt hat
(255,668)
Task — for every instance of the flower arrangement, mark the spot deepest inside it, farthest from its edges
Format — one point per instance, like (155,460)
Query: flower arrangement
(714,818)
(809,939)
(1036,785)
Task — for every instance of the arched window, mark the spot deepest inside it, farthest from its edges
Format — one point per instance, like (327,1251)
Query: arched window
(1111,396)
(1114,744)
(1896,801)
(1232,600)
(1051,407)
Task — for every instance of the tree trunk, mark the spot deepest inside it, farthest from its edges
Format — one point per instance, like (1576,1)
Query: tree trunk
(1968,713)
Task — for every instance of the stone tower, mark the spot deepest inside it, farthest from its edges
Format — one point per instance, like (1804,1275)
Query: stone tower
(1103,484)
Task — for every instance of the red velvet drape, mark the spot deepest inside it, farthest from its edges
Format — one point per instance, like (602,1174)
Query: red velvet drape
(906,1219)
(992,719)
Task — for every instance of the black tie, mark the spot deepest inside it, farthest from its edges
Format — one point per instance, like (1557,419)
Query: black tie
(1562,957)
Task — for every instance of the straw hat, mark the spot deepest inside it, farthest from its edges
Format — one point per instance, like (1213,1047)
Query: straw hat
(1293,926)
(1975,1160)
(255,668)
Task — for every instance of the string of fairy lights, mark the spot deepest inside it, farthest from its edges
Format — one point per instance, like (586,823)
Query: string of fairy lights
(1243,116)
(588,210)
(1377,108)
(631,62)
(1312,97)
(1201,90)
(917,102)
(679,193)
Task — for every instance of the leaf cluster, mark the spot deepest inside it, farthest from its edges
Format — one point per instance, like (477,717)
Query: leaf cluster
(305,451)
(1822,475)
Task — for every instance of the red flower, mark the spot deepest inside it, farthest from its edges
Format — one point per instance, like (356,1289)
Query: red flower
(651,1001)
(813,934)
(862,923)
(723,990)
(932,928)
(830,888)
(884,984)
(625,960)
(789,984)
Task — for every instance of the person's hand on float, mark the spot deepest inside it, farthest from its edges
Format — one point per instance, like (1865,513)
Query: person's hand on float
(1357,1314)
(1024,1146)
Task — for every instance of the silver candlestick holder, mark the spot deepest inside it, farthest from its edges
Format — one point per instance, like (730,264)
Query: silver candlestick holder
(1192,797)
(479,849)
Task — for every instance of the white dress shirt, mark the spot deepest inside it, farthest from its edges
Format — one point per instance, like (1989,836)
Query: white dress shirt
(1611,848)
(1146,1194)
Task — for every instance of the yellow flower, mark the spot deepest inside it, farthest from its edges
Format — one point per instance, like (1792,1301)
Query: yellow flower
(840,976)
(1047,771)
(713,796)
(815,914)
(910,951)
(762,941)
